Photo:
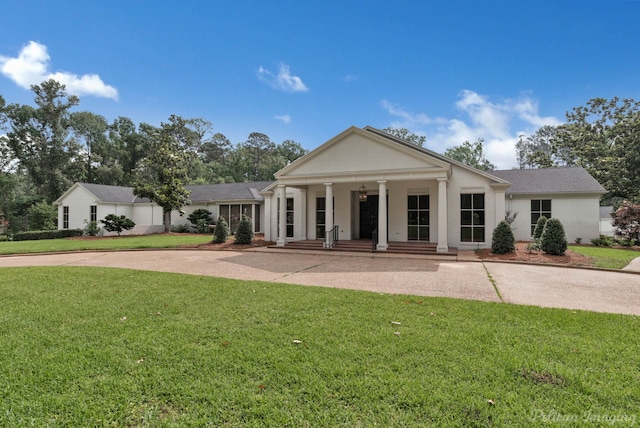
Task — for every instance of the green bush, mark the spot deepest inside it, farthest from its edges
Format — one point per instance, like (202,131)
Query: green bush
(35,235)
(43,216)
(91,228)
(4,238)
(554,240)
(537,231)
(244,233)
(221,232)
(603,241)
(503,241)
(114,223)
(181,228)
(201,219)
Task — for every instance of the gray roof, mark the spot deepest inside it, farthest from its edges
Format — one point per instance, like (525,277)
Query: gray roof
(199,193)
(549,180)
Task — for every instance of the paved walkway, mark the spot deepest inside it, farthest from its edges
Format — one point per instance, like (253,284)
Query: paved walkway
(547,286)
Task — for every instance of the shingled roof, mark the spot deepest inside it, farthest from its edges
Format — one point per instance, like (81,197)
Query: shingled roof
(549,181)
(199,193)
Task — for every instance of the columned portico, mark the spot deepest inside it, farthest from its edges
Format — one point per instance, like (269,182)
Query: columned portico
(282,215)
(443,245)
(382,216)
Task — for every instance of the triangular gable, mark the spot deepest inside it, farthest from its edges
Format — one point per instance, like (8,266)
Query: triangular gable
(357,151)
(73,189)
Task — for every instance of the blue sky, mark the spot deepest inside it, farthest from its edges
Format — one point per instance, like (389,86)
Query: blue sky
(306,70)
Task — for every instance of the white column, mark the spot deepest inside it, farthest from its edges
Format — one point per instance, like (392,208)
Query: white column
(382,216)
(443,245)
(253,217)
(282,223)
(328,215)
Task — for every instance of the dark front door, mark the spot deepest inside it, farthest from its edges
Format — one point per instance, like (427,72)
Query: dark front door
(368,216)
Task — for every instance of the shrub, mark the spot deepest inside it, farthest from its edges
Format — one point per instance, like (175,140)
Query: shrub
(4,238)
(602,241)
(554,240)
(244,233)
(114,223)
(181,228)
(91,228)
(503,241)
(537,231)
(578,241)
(221,232)
(201,219)
(35,235)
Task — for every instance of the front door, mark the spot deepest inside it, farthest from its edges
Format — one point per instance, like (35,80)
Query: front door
(368,216)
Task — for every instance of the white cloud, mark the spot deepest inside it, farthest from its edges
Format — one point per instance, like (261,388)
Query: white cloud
(284,80)
(285,118)
(493,121)
(31,68)
(350,78)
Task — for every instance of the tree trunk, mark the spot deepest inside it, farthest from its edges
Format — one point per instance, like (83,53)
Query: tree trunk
(167,220)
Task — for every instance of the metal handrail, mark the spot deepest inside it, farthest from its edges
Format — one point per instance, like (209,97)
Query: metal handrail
(331,237)
(374,240)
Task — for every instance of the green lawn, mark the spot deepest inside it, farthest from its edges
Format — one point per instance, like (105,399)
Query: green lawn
(611,258)
(114,347)
(114,243)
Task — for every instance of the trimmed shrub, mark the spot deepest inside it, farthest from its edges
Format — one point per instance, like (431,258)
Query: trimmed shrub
(503,241)
(114,223)
(35,235)
(91,228)
(221,232)
(244,234)
(537,231)
(200,219)
(554,240)
(602,241)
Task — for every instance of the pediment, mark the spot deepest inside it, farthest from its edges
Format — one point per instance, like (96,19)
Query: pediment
(357,151)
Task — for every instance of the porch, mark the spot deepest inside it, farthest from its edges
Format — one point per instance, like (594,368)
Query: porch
(367,246)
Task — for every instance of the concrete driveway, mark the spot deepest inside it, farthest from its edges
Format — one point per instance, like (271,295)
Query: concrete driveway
(616,292)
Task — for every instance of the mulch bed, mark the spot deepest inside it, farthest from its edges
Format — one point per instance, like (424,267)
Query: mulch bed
(523,255)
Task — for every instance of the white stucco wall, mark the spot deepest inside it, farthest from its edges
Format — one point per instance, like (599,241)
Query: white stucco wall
(579,215)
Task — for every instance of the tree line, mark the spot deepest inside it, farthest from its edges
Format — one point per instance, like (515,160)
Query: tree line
(48,146)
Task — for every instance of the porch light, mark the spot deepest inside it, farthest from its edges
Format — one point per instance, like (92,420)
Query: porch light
(362,193)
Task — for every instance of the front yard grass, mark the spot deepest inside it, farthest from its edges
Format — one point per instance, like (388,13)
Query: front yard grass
(603,257)
(116,347)
(111,243)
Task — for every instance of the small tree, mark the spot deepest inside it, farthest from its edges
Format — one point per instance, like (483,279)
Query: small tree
(554,240)
(503,241)
(244,234)
(626,221)
(537,231)
(43,216)
(221,232)
(200,219)
(114,223)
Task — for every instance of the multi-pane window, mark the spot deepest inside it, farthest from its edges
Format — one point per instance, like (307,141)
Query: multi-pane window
(418,217)
(321,217)
(65,217)
(233,214)
(472,222)
(539,208)
(288,216)
(93,213)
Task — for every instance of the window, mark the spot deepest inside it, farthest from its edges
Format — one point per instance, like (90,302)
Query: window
(93,213)
(256,221)
(233,214)
(289,217)
(321,216)
(65,217)
(472,217)
(418,217)
(539,208)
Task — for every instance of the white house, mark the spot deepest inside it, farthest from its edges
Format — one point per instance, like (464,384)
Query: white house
(366,184)
(85,202)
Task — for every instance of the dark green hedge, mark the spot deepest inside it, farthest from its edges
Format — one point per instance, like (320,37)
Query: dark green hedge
(35,235)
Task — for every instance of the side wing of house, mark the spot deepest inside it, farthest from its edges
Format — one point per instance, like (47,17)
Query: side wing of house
(568,194)
(366,184)
(76,207)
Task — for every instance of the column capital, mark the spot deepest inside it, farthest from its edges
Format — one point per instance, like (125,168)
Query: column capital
(328,184)
(382,181)
(281,186)
(442,179)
